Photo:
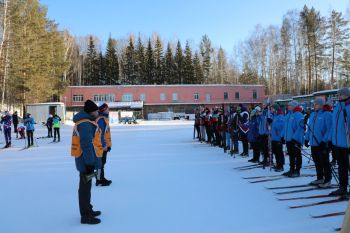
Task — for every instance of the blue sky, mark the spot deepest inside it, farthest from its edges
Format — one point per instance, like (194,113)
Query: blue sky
(226,22)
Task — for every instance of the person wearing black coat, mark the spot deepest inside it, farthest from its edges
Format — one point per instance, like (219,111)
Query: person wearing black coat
(15,123)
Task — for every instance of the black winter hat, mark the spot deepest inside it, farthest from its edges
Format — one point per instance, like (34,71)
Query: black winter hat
(90,106)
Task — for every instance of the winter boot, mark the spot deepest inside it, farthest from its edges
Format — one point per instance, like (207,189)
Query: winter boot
(95,213)
(324,185)
(317,182)
(295,174)
(288,173)
(89,220)
(339,192)
(279,169)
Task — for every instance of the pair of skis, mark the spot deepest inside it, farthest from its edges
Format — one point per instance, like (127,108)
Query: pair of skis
(275,177)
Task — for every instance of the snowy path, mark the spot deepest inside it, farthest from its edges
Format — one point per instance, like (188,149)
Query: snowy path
(163,182)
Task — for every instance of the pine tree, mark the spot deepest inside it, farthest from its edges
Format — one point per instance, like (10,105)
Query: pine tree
(198,70)
(222,67)
(206,50)
(168,65)
(129,69)
(158,59)
(150,64)
(179,64)
(337,39)
(91,75)
(188,65)
(111,63)
(101,70)
(140,62)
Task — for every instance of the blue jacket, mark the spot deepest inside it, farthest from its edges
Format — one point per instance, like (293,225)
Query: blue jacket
(102,124)
(338,135)
(317,129)
(87,132)
(297,127)
(253,132)
(328,119)
(287,127)
(277,128)
(29,123)
(263,122)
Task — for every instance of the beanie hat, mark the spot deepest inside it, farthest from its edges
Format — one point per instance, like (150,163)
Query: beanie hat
(344,91)
(319,101)
(90,106)
(275,106)
(103,107)
(293,103)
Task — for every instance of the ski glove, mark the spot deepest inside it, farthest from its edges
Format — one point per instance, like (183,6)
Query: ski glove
(109,149)
(306,143)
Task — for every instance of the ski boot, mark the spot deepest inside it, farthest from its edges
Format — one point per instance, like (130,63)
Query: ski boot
(324,185)
(317,182)
(294,174)
(288,173)
(90,220)
(341,191)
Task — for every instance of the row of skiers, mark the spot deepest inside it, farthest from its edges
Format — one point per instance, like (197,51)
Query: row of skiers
(268,128)
(28,128)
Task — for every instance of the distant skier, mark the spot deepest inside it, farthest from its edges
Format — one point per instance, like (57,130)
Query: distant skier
(253,135)
(340,139)
(15,123)
(243,130)
(6,121)
(21,131)
(233,125)
(29,124)
(49,125)
(56,127)
(87,150)
(264,119)
(106,140)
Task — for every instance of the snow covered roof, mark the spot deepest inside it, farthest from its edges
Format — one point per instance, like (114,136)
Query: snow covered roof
(49,103)
(129,104)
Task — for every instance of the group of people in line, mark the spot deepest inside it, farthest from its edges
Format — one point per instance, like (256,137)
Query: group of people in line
(27,128)
(267,128)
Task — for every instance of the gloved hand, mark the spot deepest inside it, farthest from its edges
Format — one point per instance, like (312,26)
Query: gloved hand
(109,149)
(283,141)
(330,145)
(323,145)
(306,143)
(89,169)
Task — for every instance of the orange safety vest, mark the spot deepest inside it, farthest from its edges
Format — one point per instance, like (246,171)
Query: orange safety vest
(76,150)
(107,132)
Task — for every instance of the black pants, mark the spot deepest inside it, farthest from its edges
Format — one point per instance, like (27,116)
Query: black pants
(49,132)
(56,131)
(15,127)
(85,206)
(245,144)
(256,150)
(209,133)
(198,130)
(295,160)
(342,155)
(277,150)
(101,175)
(321,160)
(30,137)
(264,144)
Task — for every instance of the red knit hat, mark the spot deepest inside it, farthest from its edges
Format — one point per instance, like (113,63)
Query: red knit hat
(103,107)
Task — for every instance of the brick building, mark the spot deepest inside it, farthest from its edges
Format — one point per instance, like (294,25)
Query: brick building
(163,98)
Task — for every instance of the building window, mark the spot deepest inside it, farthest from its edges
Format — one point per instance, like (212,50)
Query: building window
(104,98)
(127,97)
(255,95)
(196,96)
(142,97)
(237,95)
(207,97)
(78,98)
(225,95)
(162,96)
(174,96)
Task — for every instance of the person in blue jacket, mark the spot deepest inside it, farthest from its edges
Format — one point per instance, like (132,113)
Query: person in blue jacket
(264,119)
(277,134)
(294,136)
(317,134)
(29,124)
(87,162)
(340,138)
(253,135)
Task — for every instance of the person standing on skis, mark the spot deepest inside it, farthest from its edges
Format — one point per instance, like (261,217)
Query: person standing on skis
(253,135)
(277,134)
(56,120)
(341,139)
(15,123)
(294,136)
(29,124)
(49,124)
(6,121)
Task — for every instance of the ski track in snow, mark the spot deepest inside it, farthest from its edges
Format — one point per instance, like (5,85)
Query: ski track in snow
(163,182)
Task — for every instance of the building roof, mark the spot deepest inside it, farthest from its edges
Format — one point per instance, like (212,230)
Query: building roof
(172,85)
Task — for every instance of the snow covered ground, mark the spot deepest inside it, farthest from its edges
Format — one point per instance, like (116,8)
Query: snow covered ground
(163,182)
